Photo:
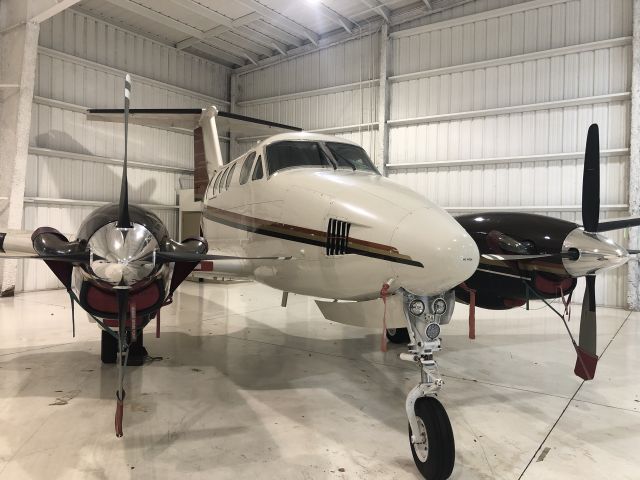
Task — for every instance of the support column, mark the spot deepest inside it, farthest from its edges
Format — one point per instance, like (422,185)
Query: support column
(633,284)
(19,29)
(233,108)
(382,149)
(18,52)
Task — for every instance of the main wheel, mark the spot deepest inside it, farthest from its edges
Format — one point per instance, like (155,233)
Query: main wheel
(398,335)
(435,456)
(108,348)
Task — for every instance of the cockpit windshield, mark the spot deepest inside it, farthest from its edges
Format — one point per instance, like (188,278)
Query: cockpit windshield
(334,155)
(350,156)
(296,154)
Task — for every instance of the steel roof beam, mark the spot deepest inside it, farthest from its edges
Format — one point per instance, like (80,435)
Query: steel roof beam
(219,30)
(379,8)
(334,16)
(281,21)
(276,33)
(156,17)
(217,53)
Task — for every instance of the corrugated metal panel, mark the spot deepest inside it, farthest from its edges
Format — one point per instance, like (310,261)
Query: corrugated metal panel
(552,76)
(74,84)
(340,64)
(569,75)
(77,34)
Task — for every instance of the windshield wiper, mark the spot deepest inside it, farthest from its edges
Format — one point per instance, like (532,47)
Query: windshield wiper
(342,157)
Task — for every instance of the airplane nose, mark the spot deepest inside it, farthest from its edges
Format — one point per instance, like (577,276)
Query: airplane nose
(448,254)
(596,253)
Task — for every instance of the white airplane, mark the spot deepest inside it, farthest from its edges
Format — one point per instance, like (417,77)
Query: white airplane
(308,214)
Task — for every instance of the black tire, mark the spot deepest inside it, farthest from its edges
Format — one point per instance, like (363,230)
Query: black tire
(441,451)
(108,348)
(398,335)
(137,352)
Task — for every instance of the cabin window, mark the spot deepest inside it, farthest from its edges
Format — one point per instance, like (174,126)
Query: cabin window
(258,173)
(223,177)
(216,183)
(246,168)
(230,176)
(289,154)
(350,156)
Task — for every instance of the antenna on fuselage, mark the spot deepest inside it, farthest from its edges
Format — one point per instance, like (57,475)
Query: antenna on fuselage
(124,221)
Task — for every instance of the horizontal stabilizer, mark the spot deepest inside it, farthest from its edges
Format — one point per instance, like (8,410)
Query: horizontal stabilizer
(189,118)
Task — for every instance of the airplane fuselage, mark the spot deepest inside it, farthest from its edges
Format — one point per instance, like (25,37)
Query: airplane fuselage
(347,232)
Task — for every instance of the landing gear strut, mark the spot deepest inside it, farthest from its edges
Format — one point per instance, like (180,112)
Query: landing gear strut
(430,433)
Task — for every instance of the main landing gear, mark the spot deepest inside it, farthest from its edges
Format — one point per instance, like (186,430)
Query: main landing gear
(430,433)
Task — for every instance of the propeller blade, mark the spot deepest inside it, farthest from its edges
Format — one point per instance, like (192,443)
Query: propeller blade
(586,349)
(199,257)
(83,257)
(591,181)
(123,208)
(618,223)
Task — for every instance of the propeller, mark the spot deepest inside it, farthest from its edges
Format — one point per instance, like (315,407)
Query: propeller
(124,222)
(586,348)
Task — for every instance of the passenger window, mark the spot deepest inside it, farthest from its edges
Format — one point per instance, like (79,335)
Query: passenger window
(258,172)
(222,180)
(246,168)
(209,192)
(215,184)
(230,176)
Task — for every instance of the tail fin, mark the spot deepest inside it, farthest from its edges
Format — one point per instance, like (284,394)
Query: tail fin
(206,123)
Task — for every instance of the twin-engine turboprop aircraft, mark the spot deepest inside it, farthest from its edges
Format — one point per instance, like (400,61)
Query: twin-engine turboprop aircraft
(303,213)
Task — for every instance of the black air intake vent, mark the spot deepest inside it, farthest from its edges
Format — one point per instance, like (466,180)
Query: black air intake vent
(337,237)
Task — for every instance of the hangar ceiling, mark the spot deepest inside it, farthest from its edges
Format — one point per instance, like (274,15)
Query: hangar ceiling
(246,31)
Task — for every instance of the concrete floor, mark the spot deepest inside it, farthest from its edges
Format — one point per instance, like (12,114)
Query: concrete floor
(247,389)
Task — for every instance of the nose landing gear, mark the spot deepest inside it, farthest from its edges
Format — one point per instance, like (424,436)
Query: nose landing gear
(430,433)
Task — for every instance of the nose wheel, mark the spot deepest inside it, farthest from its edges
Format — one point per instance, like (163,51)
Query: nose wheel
(434,448)
(430,432)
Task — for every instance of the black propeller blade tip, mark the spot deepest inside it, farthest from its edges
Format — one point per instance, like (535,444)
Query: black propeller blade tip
(591,181)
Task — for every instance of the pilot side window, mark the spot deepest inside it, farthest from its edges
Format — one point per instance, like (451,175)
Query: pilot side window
(230,176)
(288,154)
(258,173)
(246,168)
(223,177)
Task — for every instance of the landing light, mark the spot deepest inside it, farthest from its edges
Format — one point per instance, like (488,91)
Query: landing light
(439,306)
(416,307)
(433,331)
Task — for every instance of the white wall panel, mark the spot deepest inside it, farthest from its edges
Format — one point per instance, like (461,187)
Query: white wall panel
(81,64)
(85,37)
(490,79)
(485,86)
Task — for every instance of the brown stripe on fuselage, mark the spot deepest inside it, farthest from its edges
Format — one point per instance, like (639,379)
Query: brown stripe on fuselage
(305,235)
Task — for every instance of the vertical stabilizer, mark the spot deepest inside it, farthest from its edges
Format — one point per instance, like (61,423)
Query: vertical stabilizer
(212,151)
